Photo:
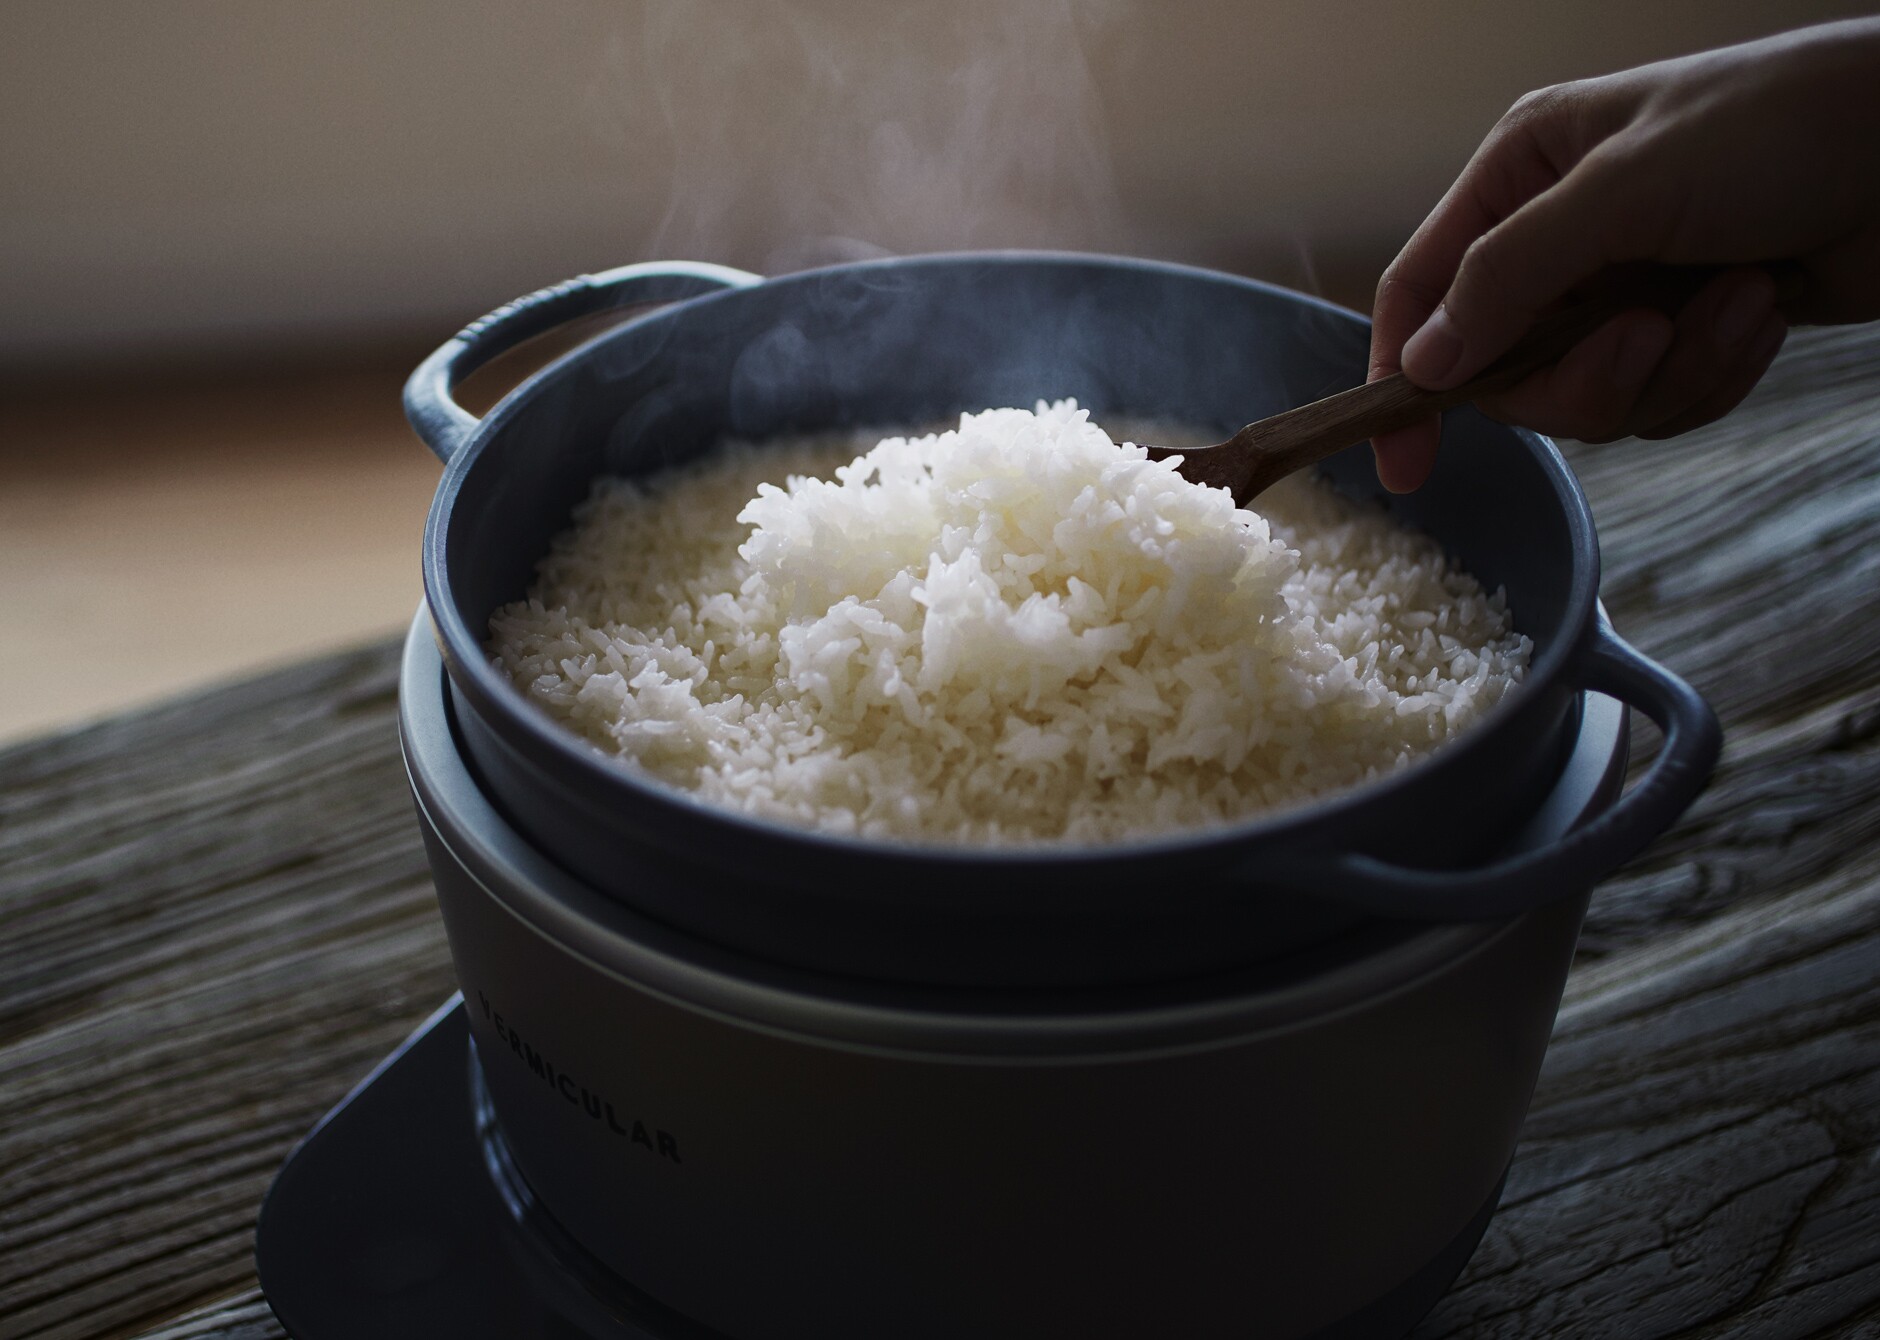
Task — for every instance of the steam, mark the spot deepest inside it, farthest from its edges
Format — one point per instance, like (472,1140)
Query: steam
(803,132)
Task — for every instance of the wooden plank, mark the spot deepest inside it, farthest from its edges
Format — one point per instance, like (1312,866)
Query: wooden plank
(1703,1155)
(242,1317)
(214,917)
(1747,556)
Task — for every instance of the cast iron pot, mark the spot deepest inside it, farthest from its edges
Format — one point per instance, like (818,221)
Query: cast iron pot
(696,1143)
(909,342)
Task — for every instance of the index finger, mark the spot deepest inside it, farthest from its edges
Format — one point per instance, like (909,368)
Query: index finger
(1509,168)
(1512,165)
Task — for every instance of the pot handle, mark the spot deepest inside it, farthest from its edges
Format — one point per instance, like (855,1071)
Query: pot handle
(1610,666)
(445,425)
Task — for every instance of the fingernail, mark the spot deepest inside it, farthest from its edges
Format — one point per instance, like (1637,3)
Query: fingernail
(1430,355)
(1639,352)
(1743,315)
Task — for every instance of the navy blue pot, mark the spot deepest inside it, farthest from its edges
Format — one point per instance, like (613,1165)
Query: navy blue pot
(902,342)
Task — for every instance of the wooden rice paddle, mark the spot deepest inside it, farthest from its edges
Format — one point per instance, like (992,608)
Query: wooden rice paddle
(1263,453)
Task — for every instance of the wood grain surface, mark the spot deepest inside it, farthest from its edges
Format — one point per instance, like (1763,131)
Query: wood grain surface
(214,916)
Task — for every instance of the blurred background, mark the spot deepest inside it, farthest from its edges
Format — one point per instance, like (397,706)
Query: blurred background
(229,227)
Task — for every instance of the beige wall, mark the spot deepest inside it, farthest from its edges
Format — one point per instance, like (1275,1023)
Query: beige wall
(204,173)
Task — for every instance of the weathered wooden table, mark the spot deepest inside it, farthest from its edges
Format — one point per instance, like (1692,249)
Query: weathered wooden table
(215,916)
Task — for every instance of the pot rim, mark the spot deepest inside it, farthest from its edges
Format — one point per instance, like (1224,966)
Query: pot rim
(552,746)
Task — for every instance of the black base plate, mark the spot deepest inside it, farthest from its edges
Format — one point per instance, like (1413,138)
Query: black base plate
(387,1223)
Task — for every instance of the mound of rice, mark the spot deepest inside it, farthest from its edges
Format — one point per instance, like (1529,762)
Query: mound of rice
(1013,631)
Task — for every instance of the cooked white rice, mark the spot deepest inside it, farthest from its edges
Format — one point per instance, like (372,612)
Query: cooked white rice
(1013,631)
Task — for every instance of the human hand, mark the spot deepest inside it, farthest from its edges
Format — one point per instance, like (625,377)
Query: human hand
(1768,151)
